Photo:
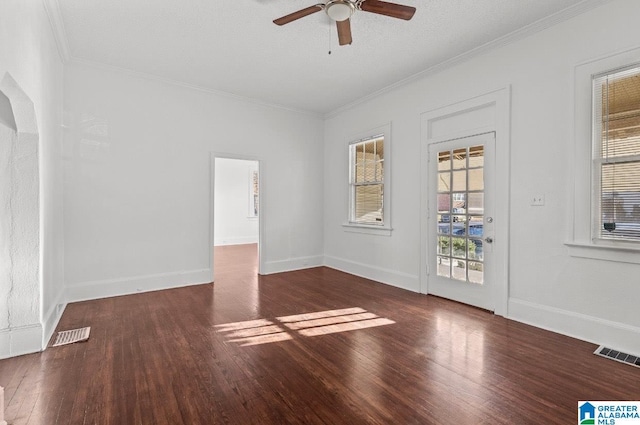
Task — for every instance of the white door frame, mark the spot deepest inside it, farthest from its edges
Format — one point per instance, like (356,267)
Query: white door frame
(261,214)
(500,101)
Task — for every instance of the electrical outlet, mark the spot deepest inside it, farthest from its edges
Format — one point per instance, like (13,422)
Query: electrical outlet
(537,200)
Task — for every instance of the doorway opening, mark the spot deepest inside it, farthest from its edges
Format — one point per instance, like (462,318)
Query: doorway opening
(236,213)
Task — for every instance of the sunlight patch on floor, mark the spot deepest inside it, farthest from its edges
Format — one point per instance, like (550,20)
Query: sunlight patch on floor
(263,331)
(262,339)
(330,321)
(343,327)
(320,314)
(243,325)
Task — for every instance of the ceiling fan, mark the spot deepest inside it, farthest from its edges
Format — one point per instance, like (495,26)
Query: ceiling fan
(341,10)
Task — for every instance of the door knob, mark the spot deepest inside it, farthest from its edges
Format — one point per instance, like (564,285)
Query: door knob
(488,239)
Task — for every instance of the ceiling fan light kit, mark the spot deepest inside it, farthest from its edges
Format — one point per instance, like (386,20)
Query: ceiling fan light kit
(341,11)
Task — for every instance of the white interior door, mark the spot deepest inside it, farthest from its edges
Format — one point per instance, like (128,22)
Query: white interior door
(461,225)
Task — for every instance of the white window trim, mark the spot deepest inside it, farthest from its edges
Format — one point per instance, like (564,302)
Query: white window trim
(581,240)
(372,229)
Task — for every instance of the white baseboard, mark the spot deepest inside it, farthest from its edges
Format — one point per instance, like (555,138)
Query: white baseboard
(235,241)
(21,340)
(292,264)
(52,317)
(136,284)
(619,336)
(390,277)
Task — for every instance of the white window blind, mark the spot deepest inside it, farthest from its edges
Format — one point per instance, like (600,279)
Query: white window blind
(616,155)
(367,180)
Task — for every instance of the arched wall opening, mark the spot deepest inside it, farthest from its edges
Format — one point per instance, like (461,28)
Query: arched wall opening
(20,283)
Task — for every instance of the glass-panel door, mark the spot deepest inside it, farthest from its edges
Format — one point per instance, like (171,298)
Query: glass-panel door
(460,224)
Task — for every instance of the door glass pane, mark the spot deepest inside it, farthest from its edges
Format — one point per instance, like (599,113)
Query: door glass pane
(460,159)
(444,182)
(459,247)
(475,227)
(459,271)
(458,228)
(476,156)
(476,272)
(460,201)
(444,242)
(476,249)
(460,180)
(444,202)
(444,161)
(444,224)
(476,182)
(459,225)
(476,203)
(444,266)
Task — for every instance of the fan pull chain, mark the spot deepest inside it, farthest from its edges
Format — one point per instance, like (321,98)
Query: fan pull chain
(329,39)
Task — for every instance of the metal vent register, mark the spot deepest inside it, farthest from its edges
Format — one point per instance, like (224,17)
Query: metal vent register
(618,356)
(74,335)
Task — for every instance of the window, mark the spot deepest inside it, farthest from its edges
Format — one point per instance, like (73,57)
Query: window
(616,155)
(369,183)
(586,237)
(366,158)
(254,200)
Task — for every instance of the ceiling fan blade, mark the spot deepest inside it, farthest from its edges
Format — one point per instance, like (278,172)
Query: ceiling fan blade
(344,32)
(389,9)
(299,14)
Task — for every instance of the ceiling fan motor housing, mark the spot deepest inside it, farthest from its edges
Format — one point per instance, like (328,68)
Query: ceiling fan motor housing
(340,10)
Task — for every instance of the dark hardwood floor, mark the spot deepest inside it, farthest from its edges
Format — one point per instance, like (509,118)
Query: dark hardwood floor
(308,347)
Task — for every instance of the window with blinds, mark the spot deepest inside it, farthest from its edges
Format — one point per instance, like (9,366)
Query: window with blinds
(616,153)
(366,159)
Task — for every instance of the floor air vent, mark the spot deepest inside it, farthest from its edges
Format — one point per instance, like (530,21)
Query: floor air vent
(74,335)
(618,356)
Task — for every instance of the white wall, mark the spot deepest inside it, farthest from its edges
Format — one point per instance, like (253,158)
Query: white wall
(233,181)
(137,180)
(28,53)
(590,299)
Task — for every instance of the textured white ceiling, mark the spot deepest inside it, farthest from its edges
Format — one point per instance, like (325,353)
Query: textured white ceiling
(233,45)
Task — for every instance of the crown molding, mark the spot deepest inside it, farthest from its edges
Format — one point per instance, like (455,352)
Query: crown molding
(519,34)
(52,8)
(177,83)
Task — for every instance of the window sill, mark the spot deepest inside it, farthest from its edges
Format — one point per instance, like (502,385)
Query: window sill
(606,252)
(367,229)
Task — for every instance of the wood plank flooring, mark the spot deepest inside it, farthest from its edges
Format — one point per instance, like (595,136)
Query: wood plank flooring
(308,347)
